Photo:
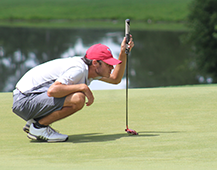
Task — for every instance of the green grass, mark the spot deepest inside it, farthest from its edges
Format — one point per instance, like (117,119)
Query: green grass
(72,12)
(176,125)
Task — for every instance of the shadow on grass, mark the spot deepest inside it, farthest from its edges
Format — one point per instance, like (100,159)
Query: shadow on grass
(99,137)
(160,132)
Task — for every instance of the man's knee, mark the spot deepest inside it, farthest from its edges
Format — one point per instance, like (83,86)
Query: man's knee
(79,100)
(76,100)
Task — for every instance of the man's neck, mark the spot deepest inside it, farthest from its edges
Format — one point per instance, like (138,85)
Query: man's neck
(91,72)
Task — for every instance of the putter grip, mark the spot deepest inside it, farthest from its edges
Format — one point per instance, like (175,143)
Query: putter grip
(127,34)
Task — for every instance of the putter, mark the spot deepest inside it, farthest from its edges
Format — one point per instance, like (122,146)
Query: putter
(127,33)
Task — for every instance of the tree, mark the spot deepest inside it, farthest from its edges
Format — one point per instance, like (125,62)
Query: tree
(202,21)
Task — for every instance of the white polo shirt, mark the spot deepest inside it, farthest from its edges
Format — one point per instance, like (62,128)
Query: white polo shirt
(68,71)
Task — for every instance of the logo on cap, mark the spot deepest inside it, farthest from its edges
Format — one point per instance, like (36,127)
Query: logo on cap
(109,50)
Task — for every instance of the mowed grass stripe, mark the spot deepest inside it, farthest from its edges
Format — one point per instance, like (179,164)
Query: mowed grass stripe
(176,125)
(156,10)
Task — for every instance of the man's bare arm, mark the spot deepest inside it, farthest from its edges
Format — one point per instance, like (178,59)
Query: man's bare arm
(119,70)
(59,90)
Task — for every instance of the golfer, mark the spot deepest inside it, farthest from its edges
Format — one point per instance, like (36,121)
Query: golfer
(58,88)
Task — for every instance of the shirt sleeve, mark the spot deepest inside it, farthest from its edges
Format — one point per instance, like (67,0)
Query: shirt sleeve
(72,76)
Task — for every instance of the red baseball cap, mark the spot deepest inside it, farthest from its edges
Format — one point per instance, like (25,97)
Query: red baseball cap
(101,52)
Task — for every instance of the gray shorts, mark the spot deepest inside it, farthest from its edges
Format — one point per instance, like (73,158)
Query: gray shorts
(35,105)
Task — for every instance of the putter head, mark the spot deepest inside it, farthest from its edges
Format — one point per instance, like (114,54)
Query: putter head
(130,131)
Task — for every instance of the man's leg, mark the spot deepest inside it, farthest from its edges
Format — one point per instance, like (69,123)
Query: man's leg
(73,103)
(41,129)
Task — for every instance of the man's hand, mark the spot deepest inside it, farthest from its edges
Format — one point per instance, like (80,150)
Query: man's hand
(87,92)
(130,44)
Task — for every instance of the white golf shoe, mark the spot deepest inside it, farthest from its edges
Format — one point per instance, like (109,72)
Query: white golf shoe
(46,134)
(28,123)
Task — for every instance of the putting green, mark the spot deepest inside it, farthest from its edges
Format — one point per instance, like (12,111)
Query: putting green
(176,125)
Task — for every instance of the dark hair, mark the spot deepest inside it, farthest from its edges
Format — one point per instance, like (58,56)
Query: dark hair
(88,61)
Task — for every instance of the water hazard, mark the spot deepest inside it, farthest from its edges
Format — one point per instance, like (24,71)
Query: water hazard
(158,58)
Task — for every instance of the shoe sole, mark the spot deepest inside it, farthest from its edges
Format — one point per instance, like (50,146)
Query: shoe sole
(27,126)
(33,137)
(30,136)
(26,129)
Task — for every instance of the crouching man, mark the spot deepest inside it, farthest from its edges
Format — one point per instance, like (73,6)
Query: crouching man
(56,89)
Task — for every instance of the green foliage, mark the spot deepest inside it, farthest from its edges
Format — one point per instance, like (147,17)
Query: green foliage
(202,21)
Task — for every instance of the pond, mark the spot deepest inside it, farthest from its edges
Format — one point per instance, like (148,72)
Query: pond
(158,58)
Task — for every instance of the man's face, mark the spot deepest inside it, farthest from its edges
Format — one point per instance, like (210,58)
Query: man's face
(104,69)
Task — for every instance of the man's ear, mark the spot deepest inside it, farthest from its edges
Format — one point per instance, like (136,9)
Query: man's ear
(94,62)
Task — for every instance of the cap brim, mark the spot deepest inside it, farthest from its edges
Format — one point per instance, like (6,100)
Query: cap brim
(112,61)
